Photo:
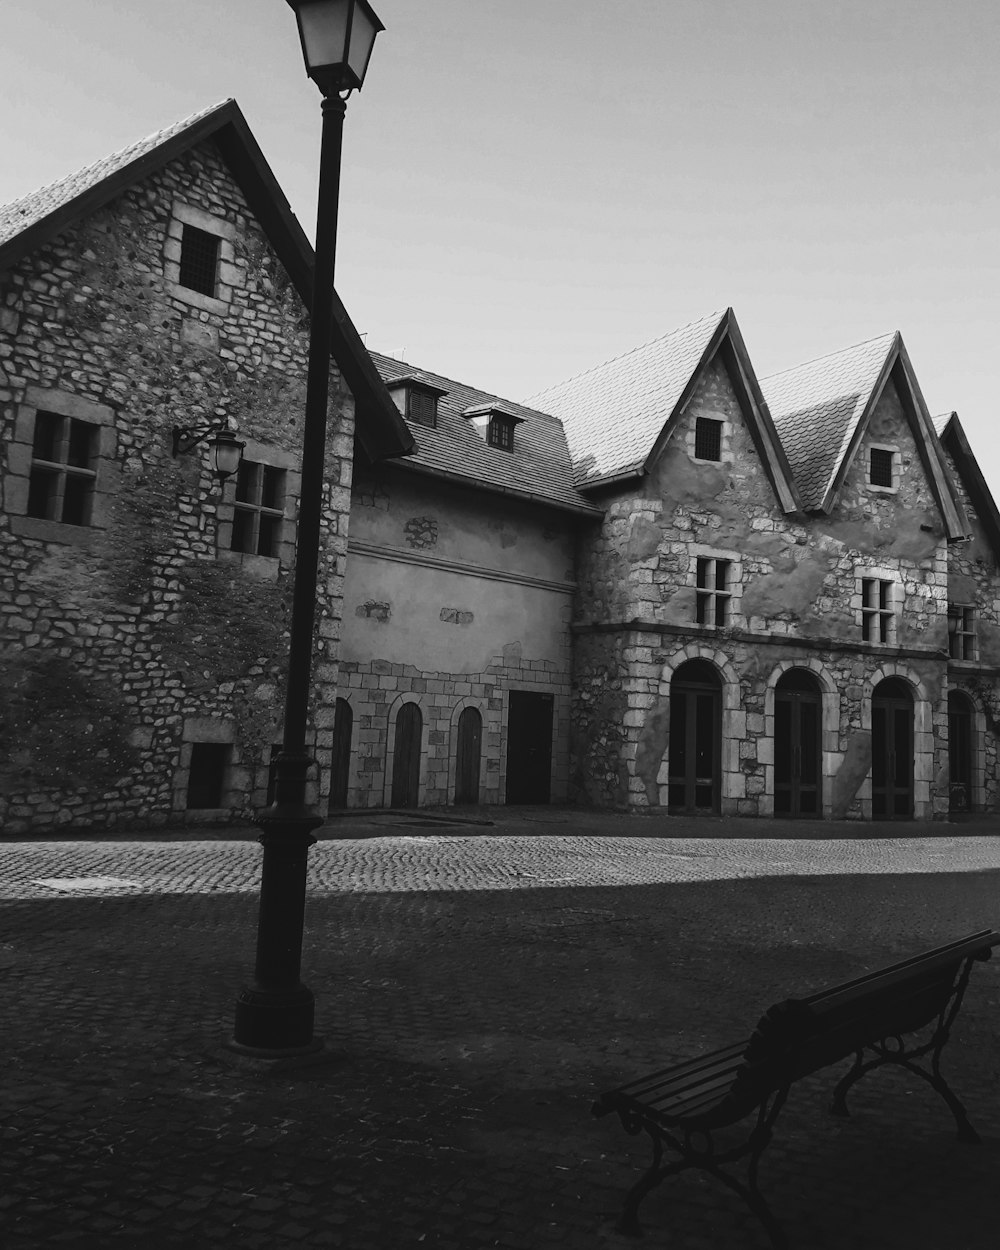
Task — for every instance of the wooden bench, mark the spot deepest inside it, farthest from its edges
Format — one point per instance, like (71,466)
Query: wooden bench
(684,1107)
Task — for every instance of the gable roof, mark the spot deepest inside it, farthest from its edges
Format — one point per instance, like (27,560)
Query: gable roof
(32,220)
(822,408)
(538,469)
(955,441)
(619,415)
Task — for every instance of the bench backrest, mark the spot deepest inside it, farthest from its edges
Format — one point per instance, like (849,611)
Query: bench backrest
(802,1035)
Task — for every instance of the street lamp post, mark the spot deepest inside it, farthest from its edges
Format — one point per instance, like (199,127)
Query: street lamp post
(274,1014)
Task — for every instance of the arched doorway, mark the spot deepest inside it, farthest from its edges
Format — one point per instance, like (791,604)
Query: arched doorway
(343,728)
(406,757)
(961,743)
(892,750)
(467,756)
(798,759)
(695,765)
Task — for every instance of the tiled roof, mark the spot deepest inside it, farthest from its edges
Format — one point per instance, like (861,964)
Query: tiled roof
(538,468)
(816,408)
(613,414)
(19,214)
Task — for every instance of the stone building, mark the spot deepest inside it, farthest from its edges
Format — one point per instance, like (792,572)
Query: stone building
(456,649)
(143,609)
(781,611)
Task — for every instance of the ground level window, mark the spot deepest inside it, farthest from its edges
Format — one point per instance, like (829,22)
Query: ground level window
(209,772)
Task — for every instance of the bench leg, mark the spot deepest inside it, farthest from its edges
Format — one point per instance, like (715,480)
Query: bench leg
(857,1070)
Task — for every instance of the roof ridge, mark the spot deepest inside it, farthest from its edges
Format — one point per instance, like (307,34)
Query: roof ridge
(153,139)
(712,316)
(842,351)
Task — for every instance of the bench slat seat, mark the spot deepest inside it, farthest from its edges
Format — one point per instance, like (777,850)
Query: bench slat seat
(681,1106)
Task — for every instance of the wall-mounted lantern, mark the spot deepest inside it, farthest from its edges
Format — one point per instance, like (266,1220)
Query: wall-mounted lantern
(226,448)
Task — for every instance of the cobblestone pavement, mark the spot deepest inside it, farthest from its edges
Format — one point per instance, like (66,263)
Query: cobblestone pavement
(476,985)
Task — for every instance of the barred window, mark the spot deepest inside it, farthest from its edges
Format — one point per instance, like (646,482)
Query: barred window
(199,260)
(877,612)
(713,592)
(961,631)
(259,509)
(63,469)
(707,439)
(880,467)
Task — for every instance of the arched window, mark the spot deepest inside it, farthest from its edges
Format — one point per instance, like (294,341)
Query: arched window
(695,765)
(406,756)
(798,759)
(892,750)
(467,756)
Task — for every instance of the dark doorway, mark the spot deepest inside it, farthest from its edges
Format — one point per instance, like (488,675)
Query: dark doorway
(406,757)
(529,747)
(960,752)
(467,756)
(695,768)
(892,751)
(208,776)
(798,761)
(340,767)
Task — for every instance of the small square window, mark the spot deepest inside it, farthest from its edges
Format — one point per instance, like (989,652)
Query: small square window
(707,439)
(209,773)
(199,260)
(880,467)
(63,469)
(259,509)
(500,433)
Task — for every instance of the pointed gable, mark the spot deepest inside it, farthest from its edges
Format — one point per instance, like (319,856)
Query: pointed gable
(29,222)
(822,409)
(953,438)
(619,416)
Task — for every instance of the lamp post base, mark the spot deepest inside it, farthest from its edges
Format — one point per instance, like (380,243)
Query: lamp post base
(275,1022)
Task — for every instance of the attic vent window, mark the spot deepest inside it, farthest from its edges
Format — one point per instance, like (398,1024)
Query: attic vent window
(500,433)
(422,408)
(199,260)
(881,467)
(707,439)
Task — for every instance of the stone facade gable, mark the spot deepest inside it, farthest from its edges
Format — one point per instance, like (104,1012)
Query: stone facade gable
(142,641)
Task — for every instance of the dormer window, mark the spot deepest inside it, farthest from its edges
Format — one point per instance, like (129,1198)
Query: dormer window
(494,423)
(500,433)
(416,400)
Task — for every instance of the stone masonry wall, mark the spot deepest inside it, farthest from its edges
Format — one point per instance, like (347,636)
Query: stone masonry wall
(796,601)
(126,641)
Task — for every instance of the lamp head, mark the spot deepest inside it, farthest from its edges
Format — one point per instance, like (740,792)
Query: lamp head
(337,38)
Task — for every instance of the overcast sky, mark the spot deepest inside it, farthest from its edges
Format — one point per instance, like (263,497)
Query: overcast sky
(532,188)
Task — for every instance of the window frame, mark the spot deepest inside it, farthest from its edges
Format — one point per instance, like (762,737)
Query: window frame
(879,619)
(893,452)
(701,424)
(713,595)
(256,510)
(964,637)
(266,567)
(500,432)
(227,275)
(61,471)
(191,244)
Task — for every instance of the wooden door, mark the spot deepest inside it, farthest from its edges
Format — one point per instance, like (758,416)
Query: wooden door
(529,747)
(406,757)
(343,726)
(694,771)
(798,707)
(468,755)
(892,751)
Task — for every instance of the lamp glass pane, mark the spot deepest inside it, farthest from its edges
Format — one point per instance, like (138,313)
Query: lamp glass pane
(363,34)
(227,452)
(323,26)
